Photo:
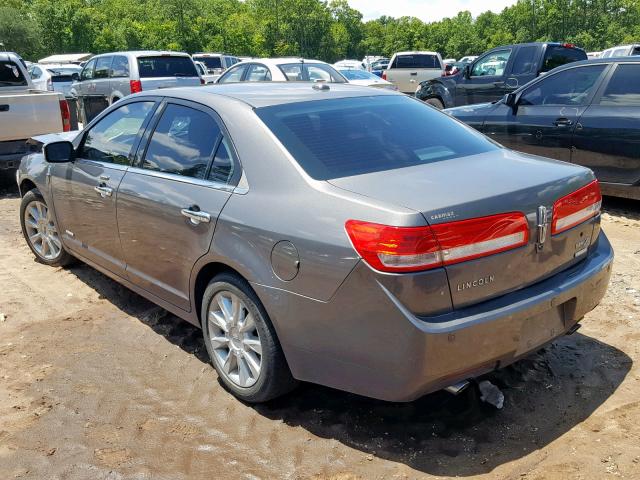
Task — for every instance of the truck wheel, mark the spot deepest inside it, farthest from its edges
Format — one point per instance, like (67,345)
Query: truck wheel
(241,341)
(41,232)
(435,102)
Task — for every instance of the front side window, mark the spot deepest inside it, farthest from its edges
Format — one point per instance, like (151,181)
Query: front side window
(182,143)
(353,136)
(36,73)
(120,67)
(623,88)
(111,139)
(233,75)
(166,66)
(87,71)
(103,65)
(570,87)
(492,64)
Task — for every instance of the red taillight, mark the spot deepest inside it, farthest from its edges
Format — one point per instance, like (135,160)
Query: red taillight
(66,116)
(202,81)
(135,86)
(577,207)
(568,45)
(384,74)
(410,249)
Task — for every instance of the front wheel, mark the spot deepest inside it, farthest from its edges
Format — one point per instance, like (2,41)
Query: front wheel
(241,341)
(40,230)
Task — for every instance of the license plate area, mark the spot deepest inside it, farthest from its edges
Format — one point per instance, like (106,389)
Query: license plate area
(541,328)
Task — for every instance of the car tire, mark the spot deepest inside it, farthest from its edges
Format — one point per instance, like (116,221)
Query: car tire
(241,341)
(41,231)
(435,102)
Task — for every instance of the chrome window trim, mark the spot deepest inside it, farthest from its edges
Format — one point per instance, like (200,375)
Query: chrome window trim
(98,163)
(181,178)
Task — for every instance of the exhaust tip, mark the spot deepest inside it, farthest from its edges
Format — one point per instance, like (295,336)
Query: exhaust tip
(457,388)
(574,329)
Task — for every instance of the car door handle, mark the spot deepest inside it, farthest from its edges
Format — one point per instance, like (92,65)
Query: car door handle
(498,84)
(563,122)
(104,191)
(4,108)
(413,73)
(196,216)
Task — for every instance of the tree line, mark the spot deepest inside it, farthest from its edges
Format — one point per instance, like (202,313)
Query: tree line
(327,30)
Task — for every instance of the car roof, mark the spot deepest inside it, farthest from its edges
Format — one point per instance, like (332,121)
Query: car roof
(144,53)
(421,52)
(266,94)
(282,60)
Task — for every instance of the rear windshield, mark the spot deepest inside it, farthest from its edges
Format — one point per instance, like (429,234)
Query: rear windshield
(353,136)
(210,62)
(557,55)
(416,61)
(11,75)
(166,66)
(358,75)
(63,74)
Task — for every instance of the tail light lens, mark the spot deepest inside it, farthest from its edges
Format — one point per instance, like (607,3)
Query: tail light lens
(50,85)
(569,45)
(65,113)
(384,74)
(201,81)
(577,207)
(411,249)
(135,86)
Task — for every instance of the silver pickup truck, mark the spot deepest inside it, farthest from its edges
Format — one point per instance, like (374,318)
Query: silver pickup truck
(407,69)
(24,111)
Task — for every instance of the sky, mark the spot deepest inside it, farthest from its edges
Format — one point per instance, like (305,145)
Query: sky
(426,10)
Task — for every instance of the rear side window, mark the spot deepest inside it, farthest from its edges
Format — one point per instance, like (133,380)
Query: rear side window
(353,136)
(623,88)
(11,75)
(635,51)
(120,67)
(416,61)
(258,73)
(182,143)
(525,61)
(166,66)
(556,55)
(311,72)
(111,139)
(222,167)
(103,64)
(569,87)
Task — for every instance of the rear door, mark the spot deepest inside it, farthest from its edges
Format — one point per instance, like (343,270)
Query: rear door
(547,113)
(119,77)
(607,137)
(84,191)
(100,85)
(164,71)
(169,203)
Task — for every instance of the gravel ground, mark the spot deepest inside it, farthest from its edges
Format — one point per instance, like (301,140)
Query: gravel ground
(98,383)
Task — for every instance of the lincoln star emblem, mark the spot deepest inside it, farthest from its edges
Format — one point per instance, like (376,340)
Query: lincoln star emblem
(543,225)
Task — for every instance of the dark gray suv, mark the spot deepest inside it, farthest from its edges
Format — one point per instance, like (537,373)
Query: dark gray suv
(328,233)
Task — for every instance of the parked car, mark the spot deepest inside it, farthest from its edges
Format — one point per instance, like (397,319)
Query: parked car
(107,78)
(468,59)
(282,70)
(591,55)
(366,79)
(379,66)
(25,111)
(587,113)
(216,63)
(496,73)
(622,51)
(203,72)
(407,69)
(452,69)
(449,61)
(329,233)
(349,65)
(54,78)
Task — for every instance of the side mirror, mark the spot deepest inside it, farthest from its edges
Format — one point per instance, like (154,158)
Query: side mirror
(75,77)
(467,70)
(58,152)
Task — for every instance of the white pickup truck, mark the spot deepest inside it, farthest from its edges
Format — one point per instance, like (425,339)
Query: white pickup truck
(407,69)
(24,111)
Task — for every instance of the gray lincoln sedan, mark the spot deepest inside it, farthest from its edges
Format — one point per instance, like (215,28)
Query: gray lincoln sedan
(336,234)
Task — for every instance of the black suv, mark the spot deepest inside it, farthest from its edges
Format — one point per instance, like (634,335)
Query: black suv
(497,72)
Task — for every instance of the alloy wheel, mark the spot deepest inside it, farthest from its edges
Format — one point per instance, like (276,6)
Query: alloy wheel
(41,230)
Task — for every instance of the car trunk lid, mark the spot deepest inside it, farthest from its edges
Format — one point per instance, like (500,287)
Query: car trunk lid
(483,185)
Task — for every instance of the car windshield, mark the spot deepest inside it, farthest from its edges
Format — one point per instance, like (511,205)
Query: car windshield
(166,66)
(358,75)
(210,62)
(11,75)
(354,136)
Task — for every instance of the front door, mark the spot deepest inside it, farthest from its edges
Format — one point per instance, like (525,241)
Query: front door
(169,203)
(485,81)
(607,138)
(85,190)
(547,112)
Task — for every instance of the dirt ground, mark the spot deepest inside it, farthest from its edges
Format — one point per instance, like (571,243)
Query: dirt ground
(98,383)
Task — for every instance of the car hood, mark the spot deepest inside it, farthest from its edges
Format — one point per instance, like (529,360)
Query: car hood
(55,137)
(477,109)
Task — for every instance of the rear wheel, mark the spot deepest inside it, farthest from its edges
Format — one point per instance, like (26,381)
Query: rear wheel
(40,230)
(435,102)
(241,341)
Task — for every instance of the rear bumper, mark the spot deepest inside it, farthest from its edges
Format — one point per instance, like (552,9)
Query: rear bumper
(365,341)
(11,153)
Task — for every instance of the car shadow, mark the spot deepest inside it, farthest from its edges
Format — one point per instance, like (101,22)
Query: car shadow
(546,395)
(622,206)
(8,186)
